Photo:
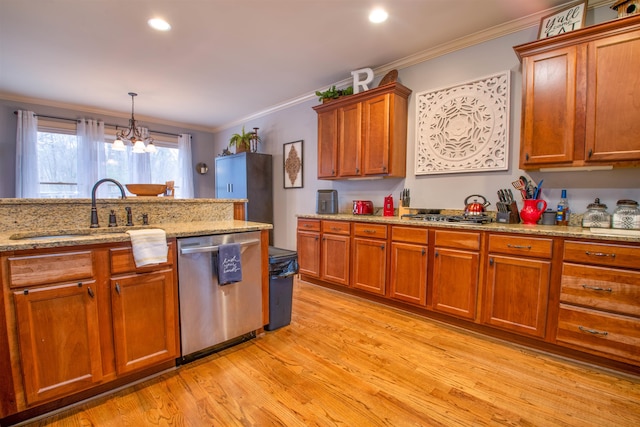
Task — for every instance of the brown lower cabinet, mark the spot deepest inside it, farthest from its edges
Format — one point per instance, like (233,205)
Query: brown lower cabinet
(79,319)
(550,292)
(369,269)
(600,300)
(456,266)
(409,255)
(59,340)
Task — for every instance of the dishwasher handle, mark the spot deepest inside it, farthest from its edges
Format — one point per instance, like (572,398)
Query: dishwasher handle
(198,249)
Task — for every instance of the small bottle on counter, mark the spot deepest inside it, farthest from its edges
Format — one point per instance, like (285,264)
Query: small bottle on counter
(563,212)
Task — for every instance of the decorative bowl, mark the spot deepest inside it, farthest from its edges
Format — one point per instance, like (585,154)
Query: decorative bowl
(146,189)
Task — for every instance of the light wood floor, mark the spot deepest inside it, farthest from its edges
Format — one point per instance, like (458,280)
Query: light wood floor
(344,361)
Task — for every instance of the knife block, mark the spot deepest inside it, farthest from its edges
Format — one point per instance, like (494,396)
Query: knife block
(510,217)
(403,210)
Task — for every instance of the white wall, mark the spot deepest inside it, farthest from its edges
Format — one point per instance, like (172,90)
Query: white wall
(431,191)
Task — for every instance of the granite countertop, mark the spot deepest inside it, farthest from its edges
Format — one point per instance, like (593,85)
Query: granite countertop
(537,230)
(26,239)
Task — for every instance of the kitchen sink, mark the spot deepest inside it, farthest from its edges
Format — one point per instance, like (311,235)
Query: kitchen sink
(66,234)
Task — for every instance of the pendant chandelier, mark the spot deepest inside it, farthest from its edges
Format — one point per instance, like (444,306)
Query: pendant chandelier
(141,143)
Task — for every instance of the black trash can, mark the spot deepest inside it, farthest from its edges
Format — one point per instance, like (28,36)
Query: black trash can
(283,265)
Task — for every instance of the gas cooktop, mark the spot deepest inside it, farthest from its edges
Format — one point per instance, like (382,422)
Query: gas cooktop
(461,219)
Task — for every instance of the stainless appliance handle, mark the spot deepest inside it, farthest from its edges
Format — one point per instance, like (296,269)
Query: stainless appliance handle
(197,249)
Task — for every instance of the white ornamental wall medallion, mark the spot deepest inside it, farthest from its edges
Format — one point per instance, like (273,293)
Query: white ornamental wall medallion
(464,128)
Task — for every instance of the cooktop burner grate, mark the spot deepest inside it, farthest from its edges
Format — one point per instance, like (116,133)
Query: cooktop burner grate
(463,219)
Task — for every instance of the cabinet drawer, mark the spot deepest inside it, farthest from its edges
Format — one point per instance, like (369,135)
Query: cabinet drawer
(410,235)
(602,254)
(458,240)
(49,268)
(336,227)
(601,288)
(121,260)
(309,224)
(377,231)
(599,332)
(516,245)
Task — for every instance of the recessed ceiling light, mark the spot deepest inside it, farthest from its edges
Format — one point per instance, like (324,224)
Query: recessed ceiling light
(159,24)
(378,15)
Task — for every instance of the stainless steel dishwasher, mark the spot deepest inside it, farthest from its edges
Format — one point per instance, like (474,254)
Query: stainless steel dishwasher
(214,316)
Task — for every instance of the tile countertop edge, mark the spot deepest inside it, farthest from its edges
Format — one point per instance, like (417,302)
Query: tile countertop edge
(537,230)
(104,235)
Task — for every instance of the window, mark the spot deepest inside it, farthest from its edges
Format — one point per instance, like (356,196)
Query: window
(58,152)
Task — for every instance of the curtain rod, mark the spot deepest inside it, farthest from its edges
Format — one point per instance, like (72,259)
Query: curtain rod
(106,124)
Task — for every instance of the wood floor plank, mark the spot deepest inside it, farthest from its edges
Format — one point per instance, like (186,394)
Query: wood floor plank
(345,361)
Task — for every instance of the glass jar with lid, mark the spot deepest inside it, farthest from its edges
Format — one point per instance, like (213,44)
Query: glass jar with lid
(626,215)
(596,216)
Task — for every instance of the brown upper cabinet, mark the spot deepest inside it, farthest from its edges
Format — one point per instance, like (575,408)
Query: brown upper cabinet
(364,135)
(580,97)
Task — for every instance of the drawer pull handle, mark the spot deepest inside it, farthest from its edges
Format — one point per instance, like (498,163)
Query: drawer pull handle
(118,288)
(90,292)
(370,231)
(593,331)
(597,288)
(599,254)
(527,247)
(336,229)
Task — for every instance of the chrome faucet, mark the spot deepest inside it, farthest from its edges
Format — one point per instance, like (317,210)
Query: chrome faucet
(94,211)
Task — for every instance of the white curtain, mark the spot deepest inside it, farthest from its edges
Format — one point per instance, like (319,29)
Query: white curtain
(91,156)
(27,178)
(185,172)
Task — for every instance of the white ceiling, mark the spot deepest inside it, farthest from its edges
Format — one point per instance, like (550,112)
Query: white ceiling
(223,60)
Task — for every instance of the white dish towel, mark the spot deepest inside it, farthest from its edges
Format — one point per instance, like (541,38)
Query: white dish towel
(149,246)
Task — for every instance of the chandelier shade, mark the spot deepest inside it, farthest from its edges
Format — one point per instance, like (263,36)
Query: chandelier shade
(138,137)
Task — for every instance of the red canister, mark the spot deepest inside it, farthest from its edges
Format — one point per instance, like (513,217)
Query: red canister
(388,206)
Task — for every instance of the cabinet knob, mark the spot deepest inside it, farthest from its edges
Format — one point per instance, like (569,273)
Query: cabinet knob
(423,252)
(382,247)
(490,261)
(357,170)
(436,254)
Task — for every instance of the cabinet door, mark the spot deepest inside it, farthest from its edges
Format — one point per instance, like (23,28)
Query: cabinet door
(335,258)
(328,144)
(350,139)
(59,340)
(455,282)
(144,320)
(309,253)
(408,276)
(369,265)
(613,108)
(375,124)
(231,177)
(517,291)
(549,107)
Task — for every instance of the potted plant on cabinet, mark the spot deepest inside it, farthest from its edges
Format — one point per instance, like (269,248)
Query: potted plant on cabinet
(333,93)
(245,141)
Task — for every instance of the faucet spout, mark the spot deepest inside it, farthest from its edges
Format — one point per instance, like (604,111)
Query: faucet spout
(94,210)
